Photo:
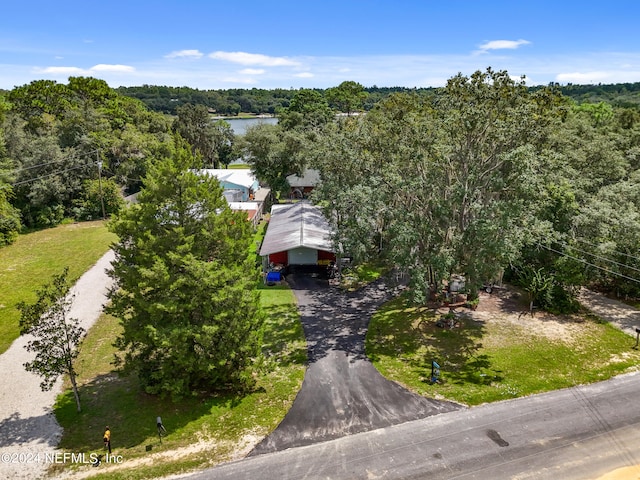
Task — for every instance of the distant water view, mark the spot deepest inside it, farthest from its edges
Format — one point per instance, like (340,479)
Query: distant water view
(240,125)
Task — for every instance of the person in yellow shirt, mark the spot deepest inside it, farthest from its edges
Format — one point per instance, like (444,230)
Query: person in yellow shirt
(107,438)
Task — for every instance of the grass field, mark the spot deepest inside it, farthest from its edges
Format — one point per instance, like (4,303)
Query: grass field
(32,260)
(203,430)
(499,358)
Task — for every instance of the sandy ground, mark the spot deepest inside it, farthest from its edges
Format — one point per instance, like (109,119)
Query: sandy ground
(29,432)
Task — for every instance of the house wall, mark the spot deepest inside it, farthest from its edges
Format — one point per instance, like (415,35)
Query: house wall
(303,256)
(280,257)
(234,186)
(325,258)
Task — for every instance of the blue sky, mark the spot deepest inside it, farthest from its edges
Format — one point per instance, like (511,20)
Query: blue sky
(294,44)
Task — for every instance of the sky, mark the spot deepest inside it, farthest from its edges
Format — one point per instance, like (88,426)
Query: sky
(317,44)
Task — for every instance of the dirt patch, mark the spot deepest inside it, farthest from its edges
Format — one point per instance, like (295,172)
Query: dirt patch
(238,450)
(509,307)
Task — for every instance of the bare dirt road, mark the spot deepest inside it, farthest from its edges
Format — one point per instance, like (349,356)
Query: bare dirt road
(29,432)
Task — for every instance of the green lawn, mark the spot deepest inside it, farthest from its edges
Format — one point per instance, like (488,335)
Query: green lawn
(362,274)
(202,431)
(488,361)
(31,261)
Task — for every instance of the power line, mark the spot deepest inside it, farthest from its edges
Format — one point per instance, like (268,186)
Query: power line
(49,175)
(614,251)
(591,264)
(603,258)
(69,157)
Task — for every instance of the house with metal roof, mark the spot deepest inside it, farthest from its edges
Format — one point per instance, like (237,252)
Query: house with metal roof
(240,185)
(297,234)
(302,186)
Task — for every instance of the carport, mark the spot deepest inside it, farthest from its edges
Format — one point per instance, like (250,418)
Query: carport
(297,235)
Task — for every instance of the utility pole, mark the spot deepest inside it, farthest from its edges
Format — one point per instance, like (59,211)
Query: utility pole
(104,215)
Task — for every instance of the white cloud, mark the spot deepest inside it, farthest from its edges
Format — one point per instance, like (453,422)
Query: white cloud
(304,75)
(185,54)
(252,71)
(502,45)
(77,71)
(244,58)
(112,68)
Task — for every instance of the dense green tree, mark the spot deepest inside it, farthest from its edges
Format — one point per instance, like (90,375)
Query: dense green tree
(348,97)
(607,230)
(274,154)
(54,335)
(185,291)
(213,141)
(55,135)
(308,110)
(458,174)
(9,215)
(223,143)
(96,195)
(194,124)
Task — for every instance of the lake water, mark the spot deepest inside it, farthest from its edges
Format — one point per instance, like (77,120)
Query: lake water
(240,125)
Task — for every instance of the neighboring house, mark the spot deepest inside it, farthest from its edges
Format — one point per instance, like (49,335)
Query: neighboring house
(302,186)
(240,185)
(253,209)
(297,234)
(242,191)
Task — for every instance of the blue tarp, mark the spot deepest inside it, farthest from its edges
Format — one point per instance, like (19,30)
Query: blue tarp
(273,277)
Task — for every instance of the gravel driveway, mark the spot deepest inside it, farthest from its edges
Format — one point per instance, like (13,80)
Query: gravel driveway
(28,428)
(342,392)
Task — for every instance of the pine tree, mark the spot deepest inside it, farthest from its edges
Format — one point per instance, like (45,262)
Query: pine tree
(185,290)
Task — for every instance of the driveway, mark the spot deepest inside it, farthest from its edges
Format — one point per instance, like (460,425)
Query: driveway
(342,392)
(620,315)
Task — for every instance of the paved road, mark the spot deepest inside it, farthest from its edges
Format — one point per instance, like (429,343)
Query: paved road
(577,433)
(342,392)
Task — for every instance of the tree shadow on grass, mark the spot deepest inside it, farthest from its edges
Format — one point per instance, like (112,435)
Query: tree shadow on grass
(119,402)
(283,340)
(457,351)
(411,333)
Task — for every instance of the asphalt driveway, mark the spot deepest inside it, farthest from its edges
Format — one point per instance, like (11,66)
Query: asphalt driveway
(342,392)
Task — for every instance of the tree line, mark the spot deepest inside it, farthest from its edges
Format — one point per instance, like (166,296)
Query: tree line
(231,102)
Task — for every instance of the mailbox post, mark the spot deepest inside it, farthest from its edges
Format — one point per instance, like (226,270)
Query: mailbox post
(161,430)
(435,371)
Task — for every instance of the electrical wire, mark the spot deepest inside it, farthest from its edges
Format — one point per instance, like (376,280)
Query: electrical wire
(614,251)
(69,157)
(591,264)
(603,258)
(49,175)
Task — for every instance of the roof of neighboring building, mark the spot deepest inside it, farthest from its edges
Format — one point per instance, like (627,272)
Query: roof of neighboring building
(261,194)
(244,205)
(251,208)
(238,176)
(296,225)
(309,178)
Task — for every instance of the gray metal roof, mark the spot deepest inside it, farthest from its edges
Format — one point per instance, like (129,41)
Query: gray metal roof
(310,178)
(296,225)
